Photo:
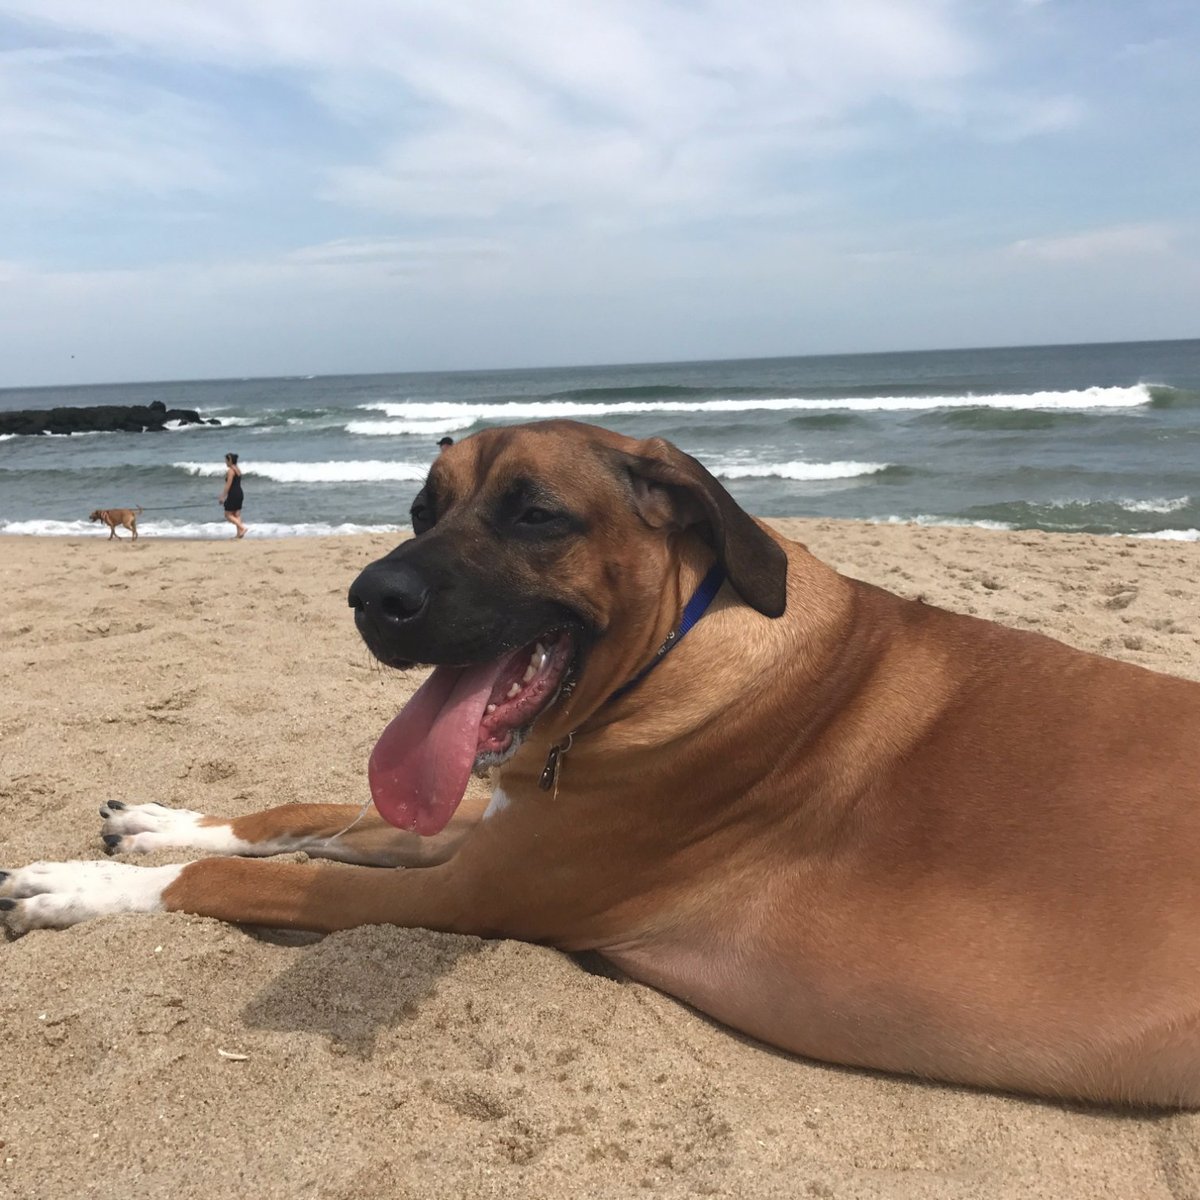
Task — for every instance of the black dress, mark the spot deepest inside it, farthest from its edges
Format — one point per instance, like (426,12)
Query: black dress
(233,501)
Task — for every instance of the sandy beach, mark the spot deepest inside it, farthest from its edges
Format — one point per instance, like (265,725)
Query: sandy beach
(172,1056)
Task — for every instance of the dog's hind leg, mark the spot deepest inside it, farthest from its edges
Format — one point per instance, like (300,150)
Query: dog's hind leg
(320,830)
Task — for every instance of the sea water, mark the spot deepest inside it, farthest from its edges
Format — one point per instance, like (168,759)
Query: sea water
(1093,438)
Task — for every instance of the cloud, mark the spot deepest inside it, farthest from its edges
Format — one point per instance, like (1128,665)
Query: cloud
(348,250)
(1093,245)
(619,110)
(236,184)
(395,255)
(70,127)
(1016,118)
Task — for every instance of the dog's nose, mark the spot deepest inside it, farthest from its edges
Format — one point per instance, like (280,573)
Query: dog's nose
(389,594)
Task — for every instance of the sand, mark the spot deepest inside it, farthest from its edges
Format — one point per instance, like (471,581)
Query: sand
(388,1062)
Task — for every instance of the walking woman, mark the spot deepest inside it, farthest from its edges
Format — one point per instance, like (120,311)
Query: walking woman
(231,494)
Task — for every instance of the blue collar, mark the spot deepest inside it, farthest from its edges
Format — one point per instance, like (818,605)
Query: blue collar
(695,608)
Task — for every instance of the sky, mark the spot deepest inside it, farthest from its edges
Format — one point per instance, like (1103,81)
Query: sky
(217,188)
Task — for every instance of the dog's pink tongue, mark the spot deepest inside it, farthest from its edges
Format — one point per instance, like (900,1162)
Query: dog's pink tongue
(420,766)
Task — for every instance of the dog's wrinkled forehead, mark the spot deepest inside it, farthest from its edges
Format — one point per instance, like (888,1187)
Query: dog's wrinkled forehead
(567,462)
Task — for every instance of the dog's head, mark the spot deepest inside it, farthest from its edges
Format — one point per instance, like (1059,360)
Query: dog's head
(543,557)
(97,515)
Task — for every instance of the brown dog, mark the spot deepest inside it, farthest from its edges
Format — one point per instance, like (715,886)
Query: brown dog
(856,827)
(114,518)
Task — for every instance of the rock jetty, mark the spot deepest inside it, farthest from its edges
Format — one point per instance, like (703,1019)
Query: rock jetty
(100,418)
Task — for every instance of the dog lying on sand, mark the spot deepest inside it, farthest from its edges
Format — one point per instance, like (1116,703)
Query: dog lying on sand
(118,518)
(854,826)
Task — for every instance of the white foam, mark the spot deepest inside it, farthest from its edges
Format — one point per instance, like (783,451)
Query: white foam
(380,471)
(422,428)
(796,470)
(365,471)
(1168,535)
(953,522)
(523,410)
(193,529)
(170,426)
(47,528)
(1171,535)
(1155,506)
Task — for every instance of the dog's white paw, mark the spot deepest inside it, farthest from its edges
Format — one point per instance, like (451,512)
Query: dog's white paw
(143,828)
(53,895)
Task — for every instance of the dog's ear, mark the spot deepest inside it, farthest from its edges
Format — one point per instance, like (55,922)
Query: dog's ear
(672,490)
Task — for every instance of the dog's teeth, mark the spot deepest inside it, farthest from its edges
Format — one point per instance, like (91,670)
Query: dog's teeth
(530,672)
(512,691)
(490,708)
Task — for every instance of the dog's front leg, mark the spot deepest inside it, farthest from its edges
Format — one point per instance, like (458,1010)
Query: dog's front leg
(325,898)
(338,831)
(252,892)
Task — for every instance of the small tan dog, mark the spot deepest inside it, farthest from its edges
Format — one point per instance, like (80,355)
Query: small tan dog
(125,518)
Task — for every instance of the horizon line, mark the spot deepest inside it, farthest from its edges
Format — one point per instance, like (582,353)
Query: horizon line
(665,362)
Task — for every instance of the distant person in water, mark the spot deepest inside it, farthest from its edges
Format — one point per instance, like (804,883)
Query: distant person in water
(231,494)
(444,442)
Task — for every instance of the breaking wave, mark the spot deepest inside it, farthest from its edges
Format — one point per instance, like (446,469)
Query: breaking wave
(533,410)
(194,529)
(804,471)
(366,471)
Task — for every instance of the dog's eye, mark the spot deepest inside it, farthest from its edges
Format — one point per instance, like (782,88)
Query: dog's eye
(422,517)
(523,518)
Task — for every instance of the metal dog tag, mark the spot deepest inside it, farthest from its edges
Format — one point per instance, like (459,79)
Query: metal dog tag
(549,777)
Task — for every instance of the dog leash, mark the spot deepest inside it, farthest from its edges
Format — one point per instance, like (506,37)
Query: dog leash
(695,608)
(163,507)
(173,507)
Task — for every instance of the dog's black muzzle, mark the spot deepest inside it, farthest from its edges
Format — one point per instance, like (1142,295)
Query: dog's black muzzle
(425,603)
(391,602)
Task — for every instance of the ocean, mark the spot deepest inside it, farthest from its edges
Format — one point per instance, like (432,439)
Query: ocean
(1093,438)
